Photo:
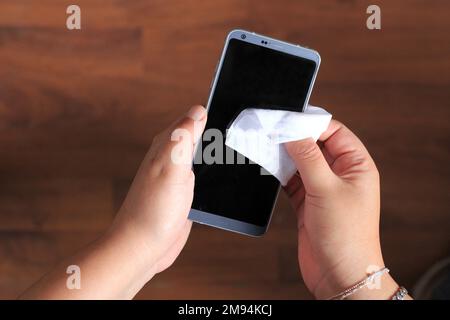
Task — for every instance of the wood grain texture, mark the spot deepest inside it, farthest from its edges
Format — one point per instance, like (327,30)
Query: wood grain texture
(78,110)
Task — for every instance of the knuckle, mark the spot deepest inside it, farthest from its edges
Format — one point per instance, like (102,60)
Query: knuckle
(154,167)
(166,172)
(157,138)
(307,150)
(184,124)
(364,163)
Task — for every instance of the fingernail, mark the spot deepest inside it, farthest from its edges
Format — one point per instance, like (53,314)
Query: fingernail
(196,113)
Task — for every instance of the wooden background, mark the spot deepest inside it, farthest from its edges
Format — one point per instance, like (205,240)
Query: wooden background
(78,110)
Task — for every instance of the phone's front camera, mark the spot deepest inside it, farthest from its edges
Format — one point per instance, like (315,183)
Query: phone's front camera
(243,36)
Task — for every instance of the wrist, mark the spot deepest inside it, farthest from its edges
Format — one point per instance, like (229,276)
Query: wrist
(125,239)
(347,273)
(382,289)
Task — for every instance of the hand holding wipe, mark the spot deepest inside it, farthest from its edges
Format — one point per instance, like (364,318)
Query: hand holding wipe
(259,135)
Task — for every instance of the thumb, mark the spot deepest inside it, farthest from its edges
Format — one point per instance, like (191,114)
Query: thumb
(173,149)
(314,170)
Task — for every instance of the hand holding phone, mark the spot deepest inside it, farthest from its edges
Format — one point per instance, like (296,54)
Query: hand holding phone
(149,231)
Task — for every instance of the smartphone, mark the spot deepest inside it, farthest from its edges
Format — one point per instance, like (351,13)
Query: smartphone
(253,71)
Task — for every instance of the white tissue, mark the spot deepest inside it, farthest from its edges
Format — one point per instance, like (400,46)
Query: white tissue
(259,134)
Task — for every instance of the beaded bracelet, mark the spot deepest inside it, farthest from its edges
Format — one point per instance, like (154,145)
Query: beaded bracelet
(347,292)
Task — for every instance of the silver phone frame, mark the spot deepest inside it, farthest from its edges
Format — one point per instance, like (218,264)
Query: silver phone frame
(222,222)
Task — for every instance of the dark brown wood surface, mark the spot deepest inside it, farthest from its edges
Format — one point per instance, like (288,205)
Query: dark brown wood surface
(78,110)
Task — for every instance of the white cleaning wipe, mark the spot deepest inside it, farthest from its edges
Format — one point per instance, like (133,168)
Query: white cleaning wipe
(259,134)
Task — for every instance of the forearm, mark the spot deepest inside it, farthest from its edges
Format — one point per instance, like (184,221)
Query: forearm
(112,267)
(149,231)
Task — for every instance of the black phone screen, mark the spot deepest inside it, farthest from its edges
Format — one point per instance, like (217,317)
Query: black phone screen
(250,76)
